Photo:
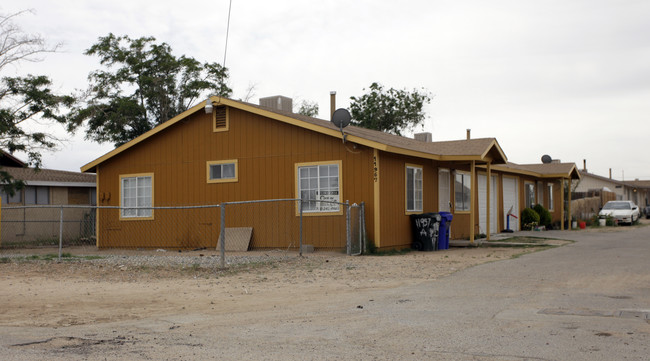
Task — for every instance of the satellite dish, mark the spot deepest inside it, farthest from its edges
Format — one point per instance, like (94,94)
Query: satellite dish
(341,118)
(546,159)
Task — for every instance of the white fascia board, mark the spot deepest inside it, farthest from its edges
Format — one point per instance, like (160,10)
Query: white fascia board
(60,184)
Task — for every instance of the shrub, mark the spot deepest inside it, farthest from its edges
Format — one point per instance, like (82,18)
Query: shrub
(529,219)
(544,215)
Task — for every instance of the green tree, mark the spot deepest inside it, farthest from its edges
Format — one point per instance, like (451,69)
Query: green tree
(25,98)
(389,110)
(308,108)
(143,85)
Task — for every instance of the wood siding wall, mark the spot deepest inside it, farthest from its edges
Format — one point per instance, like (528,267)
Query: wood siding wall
(266,151)
(395,223)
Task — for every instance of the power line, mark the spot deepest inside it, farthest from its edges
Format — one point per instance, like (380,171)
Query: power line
(225,51)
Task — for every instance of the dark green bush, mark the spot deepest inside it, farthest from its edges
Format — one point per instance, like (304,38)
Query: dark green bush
(544,215)
(529,219)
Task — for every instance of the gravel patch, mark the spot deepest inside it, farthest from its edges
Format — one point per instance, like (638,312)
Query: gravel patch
(162,260)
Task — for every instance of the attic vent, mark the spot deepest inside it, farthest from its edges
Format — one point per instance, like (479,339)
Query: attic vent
(220,118)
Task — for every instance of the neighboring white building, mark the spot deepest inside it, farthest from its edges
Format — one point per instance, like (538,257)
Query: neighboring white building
(592,182)
(637,191)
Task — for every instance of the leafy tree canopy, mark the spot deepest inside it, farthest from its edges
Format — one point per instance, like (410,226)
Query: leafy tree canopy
(308,108)
(143,85)
(391,110)
(25,98)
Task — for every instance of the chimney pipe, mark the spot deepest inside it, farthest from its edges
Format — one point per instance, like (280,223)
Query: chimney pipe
(610,173)
(468,134)
(332,103)
(584,165)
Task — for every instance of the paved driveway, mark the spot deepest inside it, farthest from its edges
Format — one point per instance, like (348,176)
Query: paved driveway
(586,301)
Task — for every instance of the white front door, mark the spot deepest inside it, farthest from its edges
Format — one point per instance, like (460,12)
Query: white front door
(482,204)
(510,203)
(444,189)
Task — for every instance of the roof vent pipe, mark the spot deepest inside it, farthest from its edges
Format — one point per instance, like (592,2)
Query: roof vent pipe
(610,173)
(468,134)
(332,103)
(584,165)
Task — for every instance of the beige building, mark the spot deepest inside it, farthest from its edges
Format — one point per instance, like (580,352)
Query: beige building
(27,217)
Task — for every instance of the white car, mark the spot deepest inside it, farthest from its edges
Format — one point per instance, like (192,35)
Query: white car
(621,211)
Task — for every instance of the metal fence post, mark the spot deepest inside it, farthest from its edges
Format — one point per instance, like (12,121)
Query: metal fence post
(362,228)
(223,235)
(348,233)
(300,235)
(60,232)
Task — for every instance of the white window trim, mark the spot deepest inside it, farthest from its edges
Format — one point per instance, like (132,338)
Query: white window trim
(415,208)
(549,188)
(122,210)
(324,212)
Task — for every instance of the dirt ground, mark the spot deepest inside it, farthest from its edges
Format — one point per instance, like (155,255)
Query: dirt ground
(51,294)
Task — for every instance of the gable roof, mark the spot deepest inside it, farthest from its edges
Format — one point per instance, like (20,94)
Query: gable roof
(542,170)
(8,160)
(599,177)
(482,150)
(51,177)
(638,183)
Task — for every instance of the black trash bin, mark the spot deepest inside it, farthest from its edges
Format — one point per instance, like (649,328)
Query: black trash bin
(425,231)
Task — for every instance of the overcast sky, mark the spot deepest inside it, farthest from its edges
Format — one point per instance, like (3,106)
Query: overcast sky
(566,78)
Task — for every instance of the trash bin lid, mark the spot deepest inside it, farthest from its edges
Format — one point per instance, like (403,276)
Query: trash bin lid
(447,216)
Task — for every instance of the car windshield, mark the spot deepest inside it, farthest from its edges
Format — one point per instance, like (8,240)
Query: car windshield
(617,205)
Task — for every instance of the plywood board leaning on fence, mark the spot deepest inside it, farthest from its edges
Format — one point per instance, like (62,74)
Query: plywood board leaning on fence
(238,239)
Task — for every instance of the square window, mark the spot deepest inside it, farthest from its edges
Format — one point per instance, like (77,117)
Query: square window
(320,185)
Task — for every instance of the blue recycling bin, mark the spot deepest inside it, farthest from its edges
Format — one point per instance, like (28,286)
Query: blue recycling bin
(443,230)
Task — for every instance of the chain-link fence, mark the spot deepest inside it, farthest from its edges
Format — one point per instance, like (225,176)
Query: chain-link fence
(44,226)
(285,224)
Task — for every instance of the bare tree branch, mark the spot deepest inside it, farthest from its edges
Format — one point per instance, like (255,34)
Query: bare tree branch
(15,45)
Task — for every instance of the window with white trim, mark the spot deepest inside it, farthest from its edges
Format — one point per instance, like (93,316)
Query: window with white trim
(413,189)
(550,197)
(136,196)
(222,171)
(319,182)
(462,191)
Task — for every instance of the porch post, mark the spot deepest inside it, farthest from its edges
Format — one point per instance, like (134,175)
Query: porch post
(487,197)
(472,193)
(562,204)
(569,192)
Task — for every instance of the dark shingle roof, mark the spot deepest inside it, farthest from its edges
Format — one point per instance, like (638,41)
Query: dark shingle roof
(482,149)
(544,169)
(49,175)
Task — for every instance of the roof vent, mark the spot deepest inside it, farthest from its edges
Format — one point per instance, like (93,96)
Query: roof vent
(277,102)
(423,137)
